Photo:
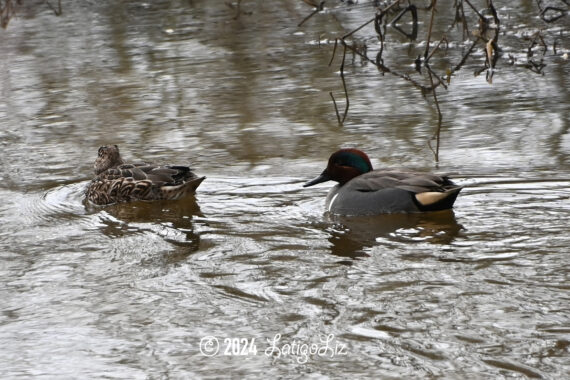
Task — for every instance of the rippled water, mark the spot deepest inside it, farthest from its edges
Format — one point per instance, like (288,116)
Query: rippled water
(138,290)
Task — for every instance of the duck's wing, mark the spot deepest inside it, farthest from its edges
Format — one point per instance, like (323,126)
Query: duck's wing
(409,181)
(158,175)
(171,175)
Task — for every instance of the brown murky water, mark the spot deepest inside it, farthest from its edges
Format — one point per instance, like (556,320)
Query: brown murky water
(142,290)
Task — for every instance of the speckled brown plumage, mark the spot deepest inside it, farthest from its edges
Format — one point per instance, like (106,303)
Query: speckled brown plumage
(117,181)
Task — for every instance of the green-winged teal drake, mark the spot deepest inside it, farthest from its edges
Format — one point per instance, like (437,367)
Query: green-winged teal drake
(363,191)
(117,181)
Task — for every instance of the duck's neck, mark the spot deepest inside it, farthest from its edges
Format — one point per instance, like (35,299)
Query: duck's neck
(101,167)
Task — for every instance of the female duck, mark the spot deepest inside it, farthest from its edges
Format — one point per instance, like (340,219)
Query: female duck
(117,181)
(363,191)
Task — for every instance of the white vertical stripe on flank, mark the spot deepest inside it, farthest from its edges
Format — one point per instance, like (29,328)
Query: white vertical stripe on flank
(332,201)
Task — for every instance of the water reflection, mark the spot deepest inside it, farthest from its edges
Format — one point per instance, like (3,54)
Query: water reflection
(157,211)
(350,236)
(171,221)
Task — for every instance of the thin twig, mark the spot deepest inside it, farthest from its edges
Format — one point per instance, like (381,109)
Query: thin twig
(334,51)
(390,6)
(335,108)
(492,47)
(385,69)
(308,17)
(413,10)
(380,34)
(439,120)
(444,38)
(344,84)
(238,11)
(440,81)
(476,11)
(357,29)
(7,11)
(57,11)
(464,59)
(460,16)
(433,4)
(369,21)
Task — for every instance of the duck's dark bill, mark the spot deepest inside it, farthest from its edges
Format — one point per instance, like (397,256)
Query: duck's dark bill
(322,178)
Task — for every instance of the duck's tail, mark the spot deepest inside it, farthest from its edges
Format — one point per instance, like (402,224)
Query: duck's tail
(436,201)
(181,191)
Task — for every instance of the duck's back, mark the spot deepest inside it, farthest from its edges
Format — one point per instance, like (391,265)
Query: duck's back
(380,192)
(142,181)
(159,175)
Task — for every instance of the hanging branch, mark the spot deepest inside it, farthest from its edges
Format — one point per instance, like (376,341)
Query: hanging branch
(460,16)
(414,12)
(378,62)
(7,11)
(431,75)
(439,80)
(380,14)
(341,121)
(532,65)
(433,4)
(58,11)
(492,47)
(357,29)
(555,12)
(238,9)
(378,28)
(436,48)
(443,39)
(485,37)
(335,108)
(463,60)
(536,36)
(318,7)
(334,51)
(437,133)
(344,84)
(481,17)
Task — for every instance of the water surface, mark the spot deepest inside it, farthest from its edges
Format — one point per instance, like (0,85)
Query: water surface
(130,291)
